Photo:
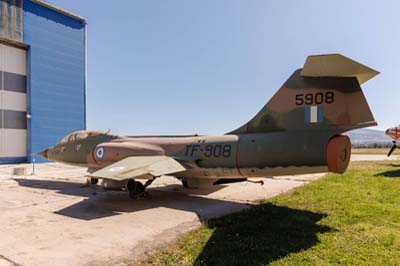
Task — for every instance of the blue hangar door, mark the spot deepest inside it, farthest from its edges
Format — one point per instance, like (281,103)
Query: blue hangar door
(13,104)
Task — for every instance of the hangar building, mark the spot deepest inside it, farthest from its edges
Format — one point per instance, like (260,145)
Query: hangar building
(42,77)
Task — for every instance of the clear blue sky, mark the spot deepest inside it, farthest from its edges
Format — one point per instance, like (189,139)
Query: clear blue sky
(183,67)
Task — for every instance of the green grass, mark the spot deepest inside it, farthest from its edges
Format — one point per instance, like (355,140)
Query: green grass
(349,219)
(374,151)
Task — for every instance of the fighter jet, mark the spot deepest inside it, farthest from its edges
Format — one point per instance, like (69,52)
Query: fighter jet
(394,134)
(298,131)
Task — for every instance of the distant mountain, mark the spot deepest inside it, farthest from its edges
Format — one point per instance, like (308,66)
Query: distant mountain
(365,137)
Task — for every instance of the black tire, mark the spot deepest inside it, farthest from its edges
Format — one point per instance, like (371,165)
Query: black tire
(94,181)
(136,189)
(185,183)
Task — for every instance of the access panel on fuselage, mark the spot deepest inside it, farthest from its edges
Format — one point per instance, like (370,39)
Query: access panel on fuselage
(13,104)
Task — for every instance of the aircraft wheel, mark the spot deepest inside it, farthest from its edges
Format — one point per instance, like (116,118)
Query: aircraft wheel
(136,189)
(94,181)
(185,183)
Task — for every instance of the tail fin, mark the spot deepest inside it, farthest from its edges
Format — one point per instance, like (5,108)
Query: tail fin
(324,95)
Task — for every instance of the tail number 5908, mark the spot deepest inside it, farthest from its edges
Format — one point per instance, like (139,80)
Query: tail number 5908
(315,98)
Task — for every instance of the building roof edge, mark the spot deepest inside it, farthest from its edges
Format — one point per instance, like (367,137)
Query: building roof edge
(60,10)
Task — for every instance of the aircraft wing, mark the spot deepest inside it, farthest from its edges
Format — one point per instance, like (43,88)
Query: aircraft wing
(142,167)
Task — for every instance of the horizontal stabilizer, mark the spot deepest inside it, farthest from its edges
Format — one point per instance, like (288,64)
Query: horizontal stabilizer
(336,65)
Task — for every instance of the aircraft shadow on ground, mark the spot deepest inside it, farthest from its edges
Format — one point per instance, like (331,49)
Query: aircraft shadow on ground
(391,173)
(261,235)
(258,236)
(98,203)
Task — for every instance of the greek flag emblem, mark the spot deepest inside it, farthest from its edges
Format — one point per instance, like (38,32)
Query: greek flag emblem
(314,114)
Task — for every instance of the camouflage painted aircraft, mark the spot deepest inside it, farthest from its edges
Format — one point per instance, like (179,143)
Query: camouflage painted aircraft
(394,134)
(298,131)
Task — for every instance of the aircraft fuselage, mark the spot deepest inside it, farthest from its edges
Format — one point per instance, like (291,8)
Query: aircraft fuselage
(233,156)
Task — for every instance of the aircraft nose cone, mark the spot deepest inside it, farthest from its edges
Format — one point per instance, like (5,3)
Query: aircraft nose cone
(43,153)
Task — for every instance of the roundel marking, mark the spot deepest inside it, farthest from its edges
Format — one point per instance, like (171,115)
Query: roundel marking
(100,153)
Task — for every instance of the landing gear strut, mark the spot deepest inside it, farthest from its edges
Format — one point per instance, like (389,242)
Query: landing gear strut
(92,180)
(136,189)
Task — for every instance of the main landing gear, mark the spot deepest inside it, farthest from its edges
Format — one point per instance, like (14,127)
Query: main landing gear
(92,180)
(137,189)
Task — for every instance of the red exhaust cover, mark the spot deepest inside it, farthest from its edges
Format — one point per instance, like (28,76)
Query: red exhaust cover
(338,154)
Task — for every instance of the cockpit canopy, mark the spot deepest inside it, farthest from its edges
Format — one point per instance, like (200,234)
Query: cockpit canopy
(83,134)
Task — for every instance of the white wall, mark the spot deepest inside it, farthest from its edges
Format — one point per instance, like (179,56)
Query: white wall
(13,60)
(13,142)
